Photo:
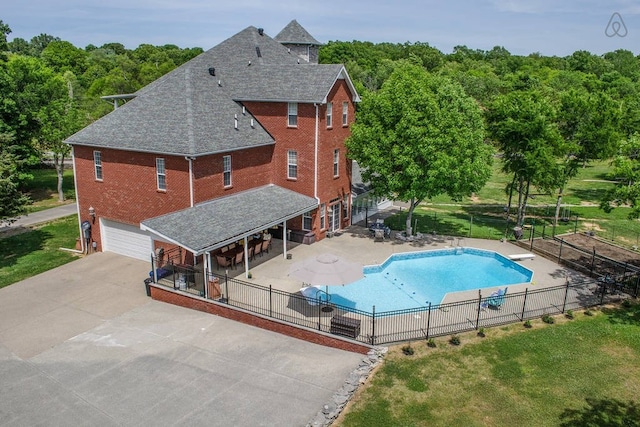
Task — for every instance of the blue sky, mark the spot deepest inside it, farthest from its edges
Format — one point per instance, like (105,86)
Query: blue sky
(550,27)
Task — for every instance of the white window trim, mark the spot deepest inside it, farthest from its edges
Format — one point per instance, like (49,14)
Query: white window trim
(336,163)
(292,114)
(290,163)
(345,114)
(160,161)
(307,216)
(323,210)
(97,164)
(226,161)
(329,114)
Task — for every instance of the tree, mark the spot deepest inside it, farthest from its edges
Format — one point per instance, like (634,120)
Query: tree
(523,123)
(4,46)
(12,201)
(420,136)
(589,125)
(58,120)
(626,171)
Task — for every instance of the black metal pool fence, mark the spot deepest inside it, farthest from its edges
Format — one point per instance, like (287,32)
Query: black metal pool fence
(376,328)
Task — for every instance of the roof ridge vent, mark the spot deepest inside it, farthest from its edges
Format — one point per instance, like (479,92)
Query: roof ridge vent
(261,31)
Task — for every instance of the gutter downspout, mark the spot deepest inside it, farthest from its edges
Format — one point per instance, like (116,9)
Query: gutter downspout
(190,160)
(75,184)
(315,160)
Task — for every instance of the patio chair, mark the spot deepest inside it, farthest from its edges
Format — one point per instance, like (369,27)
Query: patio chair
(265,246)
(238,259)
(379,234)
(223,261)
(258,249)
(496,299)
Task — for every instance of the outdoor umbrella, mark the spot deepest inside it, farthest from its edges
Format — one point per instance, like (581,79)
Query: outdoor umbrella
(325,270)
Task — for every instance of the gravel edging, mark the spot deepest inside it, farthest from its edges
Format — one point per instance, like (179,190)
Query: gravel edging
(332,409)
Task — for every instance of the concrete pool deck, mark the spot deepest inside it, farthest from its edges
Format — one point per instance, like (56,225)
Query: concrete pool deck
(356,245)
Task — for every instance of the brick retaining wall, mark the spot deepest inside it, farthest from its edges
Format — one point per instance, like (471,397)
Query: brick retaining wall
(160,293)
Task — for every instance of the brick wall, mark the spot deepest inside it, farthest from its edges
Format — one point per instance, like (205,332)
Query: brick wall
(250,168)
(173,297)
(128,192)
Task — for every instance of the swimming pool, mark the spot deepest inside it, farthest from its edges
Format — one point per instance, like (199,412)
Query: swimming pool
(415,279)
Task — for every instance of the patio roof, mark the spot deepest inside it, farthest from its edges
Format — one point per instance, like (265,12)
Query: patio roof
(219,222)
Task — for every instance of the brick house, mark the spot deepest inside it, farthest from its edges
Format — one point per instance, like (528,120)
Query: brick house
(246,137)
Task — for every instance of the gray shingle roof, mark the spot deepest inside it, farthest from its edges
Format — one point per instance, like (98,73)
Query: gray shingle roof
(294,33)
(217,222)
(191,112)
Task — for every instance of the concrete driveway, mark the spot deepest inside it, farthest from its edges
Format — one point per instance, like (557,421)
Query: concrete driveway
(83,345)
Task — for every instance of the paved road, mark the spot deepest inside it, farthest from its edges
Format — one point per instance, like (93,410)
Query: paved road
(83,345)
(43,216)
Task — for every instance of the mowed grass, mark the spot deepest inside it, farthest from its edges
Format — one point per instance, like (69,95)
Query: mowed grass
(43,188)
(581,372)
(32,252)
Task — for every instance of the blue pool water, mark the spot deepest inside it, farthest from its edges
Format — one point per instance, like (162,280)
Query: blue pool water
(414,279)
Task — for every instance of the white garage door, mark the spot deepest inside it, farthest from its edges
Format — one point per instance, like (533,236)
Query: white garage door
(125,239)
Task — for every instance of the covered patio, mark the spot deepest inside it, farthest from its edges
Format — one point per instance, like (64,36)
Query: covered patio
(237,222)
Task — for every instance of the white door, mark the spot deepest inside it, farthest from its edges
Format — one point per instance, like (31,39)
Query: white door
(334,217)
(125,239)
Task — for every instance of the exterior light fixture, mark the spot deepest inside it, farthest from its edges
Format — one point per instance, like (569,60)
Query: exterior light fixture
(92,213)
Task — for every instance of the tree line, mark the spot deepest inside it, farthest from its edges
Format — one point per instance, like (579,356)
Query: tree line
(546,116)
(50,89)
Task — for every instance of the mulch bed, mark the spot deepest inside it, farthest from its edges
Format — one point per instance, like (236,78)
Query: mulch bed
(585,259)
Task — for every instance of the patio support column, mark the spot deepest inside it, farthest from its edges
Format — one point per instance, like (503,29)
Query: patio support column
(284,239)
(205,275)
(154,265)
(246,257)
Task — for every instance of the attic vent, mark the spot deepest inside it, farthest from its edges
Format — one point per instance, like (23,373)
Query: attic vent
(212,71)
(258,52)
(244,110)
(235,121)
(261,31)
(252,125)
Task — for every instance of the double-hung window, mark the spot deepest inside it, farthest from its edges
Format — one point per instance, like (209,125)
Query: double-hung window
(345,113)
(97,164)
(329,114)
(161,174)
(307,221)
(336,162)
(292,164)
(323,212)
(292,114)
(226,170)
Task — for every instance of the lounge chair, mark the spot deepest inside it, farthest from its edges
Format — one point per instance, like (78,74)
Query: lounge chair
(496,299)
(310,293)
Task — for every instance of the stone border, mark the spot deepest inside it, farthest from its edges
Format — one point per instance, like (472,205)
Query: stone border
(331,410)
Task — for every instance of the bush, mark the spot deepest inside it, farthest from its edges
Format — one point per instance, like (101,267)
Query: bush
(431,343)
(481,332)
(455,340)
(408,350)
(548,319)
(527,323)
(588,312)
(569,314)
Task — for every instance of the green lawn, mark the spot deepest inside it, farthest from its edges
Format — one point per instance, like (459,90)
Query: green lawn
(35,251)
(482,216)
(43,188)
(581,372)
